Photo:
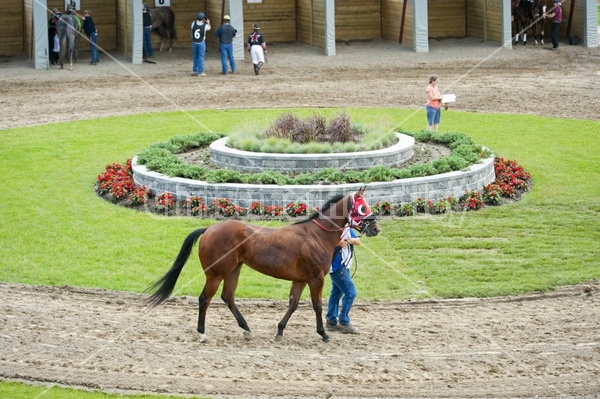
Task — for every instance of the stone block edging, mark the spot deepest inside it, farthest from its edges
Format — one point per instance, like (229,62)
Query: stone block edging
(248,161)
(398,191)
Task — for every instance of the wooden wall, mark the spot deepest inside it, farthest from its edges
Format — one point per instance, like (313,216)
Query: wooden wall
(310,22)
(124,28)
(391,22)
(12,27)
(484,19)
(446,18)
(28,28)
(277,19)
(576,23)
(357,20)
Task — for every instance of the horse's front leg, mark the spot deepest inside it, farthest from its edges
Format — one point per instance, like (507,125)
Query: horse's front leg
(295,293)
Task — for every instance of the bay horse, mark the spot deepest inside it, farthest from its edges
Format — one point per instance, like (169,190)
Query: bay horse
(163,20)
(522,11)
(300,253)
(68,29)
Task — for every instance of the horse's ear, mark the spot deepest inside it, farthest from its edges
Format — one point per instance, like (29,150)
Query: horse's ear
(360,192)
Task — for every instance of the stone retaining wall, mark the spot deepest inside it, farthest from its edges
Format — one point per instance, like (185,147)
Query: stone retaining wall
(247,161)
(397,191)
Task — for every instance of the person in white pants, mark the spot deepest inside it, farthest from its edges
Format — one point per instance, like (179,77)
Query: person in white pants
(257,47)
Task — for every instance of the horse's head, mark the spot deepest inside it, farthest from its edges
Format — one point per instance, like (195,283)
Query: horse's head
(361,216)
(540,7)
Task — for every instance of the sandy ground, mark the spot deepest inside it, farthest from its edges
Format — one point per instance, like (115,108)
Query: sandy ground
(484,77)
(543,346)
(531,346)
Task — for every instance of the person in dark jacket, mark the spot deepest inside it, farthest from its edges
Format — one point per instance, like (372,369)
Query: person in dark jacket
(148,51)
(226,33)
(92,33)
(53,42)
(199,28)
(257,47)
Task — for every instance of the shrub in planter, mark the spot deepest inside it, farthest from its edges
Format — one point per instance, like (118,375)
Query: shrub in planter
(296,209)
(383,208)
(139,195)
(405,210)
(196,205)
(165,201)
(471,200)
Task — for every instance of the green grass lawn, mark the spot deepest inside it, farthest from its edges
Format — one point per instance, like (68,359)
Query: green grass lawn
(62,234)
(15,390)
(57,232)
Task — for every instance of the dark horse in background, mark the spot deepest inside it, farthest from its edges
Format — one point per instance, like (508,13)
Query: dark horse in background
(163,20)
(529,14)
(300,253)
(68,29)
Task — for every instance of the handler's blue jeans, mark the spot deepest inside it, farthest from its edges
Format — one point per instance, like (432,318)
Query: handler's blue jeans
(342,287)
(199,49)
(147,49)
(227,53)
(93,47)
(554,34)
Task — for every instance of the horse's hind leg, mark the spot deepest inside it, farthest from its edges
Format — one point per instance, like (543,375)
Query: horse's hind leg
(228,296)
(295,293)
(210,289)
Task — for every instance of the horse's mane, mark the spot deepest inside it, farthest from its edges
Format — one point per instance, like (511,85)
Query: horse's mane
(332,201)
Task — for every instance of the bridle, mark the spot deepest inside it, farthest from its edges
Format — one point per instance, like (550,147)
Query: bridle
(356,213)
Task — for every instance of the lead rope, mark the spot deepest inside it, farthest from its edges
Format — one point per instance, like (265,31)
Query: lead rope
(355,259)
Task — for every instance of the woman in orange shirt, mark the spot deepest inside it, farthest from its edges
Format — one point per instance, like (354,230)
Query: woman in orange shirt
(434,102)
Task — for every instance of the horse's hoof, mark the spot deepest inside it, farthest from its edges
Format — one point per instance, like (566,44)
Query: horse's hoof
(203,338)
(325,338)
(279,338)
(247,335)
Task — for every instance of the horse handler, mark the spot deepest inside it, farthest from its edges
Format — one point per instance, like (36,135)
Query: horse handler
(199,28)
(226,33)
(147,50)
(92,33)
(257,47)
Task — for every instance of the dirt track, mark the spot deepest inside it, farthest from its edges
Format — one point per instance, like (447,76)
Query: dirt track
(532,346)
(485,78)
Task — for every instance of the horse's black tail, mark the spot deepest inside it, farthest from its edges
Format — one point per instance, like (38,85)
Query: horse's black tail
(173,30)
(165,285)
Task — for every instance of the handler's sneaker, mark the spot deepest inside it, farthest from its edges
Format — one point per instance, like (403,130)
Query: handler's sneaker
(329,326)
(347,328)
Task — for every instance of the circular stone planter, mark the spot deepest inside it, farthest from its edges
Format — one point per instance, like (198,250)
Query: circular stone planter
(247,161)
(398,191)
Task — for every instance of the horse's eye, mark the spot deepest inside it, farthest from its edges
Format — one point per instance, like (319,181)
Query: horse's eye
(362,211)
